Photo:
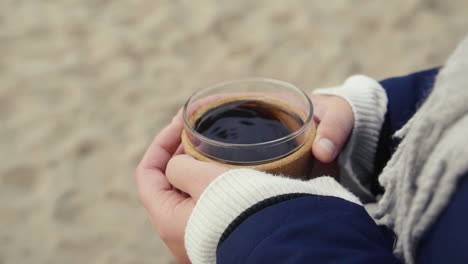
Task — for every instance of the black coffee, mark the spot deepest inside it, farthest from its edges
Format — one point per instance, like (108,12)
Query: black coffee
(248,122)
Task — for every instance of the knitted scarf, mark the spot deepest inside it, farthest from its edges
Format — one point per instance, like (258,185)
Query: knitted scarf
(423,173)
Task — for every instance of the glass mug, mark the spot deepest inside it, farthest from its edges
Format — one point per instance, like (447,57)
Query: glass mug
(257,123)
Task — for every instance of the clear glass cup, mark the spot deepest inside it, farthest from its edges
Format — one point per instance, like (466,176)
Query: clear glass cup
(285,95)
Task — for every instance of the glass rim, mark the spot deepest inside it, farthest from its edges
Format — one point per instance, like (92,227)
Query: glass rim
(246,80)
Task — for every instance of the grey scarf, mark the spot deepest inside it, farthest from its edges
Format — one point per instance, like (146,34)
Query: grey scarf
(423,173)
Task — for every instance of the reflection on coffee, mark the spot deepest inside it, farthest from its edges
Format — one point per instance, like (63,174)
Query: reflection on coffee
(249,121)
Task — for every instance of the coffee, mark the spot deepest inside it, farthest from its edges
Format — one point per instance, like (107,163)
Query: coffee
(249,121)
(256,123)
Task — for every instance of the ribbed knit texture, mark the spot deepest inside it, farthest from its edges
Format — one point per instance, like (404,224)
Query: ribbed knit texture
(369,103)
(233,193)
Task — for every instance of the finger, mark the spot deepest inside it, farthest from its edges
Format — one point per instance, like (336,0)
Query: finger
(192,176)
(180,150)
(333,131)
(179,118)
(150,179)
(163,146)
(319,106)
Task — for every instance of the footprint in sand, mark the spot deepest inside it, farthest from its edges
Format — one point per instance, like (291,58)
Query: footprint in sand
(68,207)
(20,180)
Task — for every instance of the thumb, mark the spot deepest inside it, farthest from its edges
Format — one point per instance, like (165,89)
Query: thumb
(192,176)
(333,130)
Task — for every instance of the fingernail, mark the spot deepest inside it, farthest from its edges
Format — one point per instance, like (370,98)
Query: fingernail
(328,146)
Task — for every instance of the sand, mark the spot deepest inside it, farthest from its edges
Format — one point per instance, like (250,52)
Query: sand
(85,86)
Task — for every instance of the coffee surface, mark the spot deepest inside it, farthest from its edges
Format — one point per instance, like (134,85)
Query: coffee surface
(249,122)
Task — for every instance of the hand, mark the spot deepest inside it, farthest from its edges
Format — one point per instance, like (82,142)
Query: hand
(169,184)
(335,120)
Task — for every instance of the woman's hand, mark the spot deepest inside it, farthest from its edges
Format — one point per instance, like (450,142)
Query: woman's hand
(169,184)
(335,121)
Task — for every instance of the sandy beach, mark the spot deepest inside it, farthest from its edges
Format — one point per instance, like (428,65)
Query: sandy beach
(86,85)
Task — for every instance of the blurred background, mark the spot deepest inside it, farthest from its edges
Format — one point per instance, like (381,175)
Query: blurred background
(86,84)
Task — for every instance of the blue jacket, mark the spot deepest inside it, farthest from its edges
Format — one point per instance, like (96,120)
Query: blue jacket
(320,229)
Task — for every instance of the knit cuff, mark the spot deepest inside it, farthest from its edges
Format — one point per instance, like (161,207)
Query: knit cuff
(233,193)
(369,103)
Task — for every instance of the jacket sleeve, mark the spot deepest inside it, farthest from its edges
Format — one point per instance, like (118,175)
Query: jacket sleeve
(308,229)
(315,229)
(248,216)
